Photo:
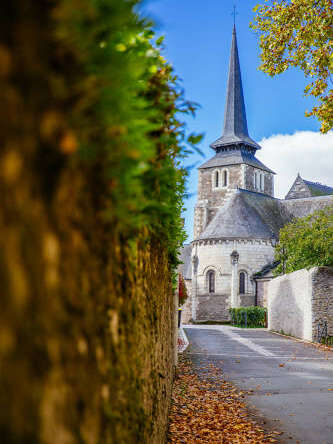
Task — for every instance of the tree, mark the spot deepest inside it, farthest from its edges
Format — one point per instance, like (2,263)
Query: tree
(299,33)
(306,242)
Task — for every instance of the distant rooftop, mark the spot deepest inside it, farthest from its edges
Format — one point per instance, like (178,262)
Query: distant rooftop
(302,188)
(318,189)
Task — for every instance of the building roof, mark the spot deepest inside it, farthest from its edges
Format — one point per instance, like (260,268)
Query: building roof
(185,268)
(317,189)
(247,215)
(235,130)
(265,270)
(235,157)
(302,188)
(304,206)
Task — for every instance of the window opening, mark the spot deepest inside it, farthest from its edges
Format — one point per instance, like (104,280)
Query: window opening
(216,179)
(225,178)
(242,282)
(211,282)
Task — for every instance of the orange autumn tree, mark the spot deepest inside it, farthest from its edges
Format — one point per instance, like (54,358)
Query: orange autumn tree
(299,33)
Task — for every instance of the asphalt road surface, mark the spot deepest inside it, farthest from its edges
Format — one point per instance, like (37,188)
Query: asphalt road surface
(290,382)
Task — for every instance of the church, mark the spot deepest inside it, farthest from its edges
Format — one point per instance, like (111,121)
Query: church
(237,218)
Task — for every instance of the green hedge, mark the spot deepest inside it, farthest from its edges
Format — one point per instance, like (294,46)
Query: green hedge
(250,317)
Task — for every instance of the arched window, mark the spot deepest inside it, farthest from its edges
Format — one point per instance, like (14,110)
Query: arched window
(211,281)
(225,178)
(242,277)
(216,179)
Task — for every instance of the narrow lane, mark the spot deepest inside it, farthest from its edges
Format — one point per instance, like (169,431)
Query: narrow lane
(290,383)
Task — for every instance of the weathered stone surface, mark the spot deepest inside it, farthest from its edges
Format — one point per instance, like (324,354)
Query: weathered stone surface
(247,300)
(322,298)
(213,307)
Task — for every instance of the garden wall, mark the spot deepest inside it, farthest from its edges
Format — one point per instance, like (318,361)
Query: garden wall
(299,300)
(87,308)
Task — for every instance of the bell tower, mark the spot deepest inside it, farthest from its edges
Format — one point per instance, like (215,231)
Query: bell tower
(234,164)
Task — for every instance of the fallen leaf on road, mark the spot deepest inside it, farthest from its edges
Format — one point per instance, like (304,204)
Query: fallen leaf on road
(208,410)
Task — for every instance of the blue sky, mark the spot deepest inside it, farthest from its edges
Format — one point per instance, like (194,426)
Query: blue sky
(198,39)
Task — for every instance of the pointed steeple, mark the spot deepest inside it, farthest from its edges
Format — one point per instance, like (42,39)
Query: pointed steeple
(235,130)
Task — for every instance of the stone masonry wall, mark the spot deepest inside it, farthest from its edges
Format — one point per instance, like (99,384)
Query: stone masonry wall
(87,329)
(297,301)
(322,298)
(262,292)
(247,300)
(268,181)
(213,307)
(217,196)
(253,255)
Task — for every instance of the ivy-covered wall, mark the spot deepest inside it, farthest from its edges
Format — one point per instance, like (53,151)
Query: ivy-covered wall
(89,223)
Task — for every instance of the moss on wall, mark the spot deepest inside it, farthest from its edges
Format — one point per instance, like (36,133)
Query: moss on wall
(86,324)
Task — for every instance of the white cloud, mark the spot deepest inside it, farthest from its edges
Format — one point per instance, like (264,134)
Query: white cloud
(307,152)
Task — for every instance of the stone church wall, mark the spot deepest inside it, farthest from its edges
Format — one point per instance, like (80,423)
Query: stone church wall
(297,301)
(213,307)
(206,190)
(253,255)
(249,181)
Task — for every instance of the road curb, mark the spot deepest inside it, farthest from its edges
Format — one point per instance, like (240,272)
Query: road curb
(304,341)
(183,341)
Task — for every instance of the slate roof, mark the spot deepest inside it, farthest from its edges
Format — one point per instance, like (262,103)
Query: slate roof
(265,270)
(235,125)
(234,157)
(185,256)
(247,215)
(317,189)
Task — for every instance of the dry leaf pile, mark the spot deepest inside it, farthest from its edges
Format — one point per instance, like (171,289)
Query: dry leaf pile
(210,410)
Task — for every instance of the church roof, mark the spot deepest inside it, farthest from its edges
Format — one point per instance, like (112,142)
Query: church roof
(247,215)
(235,130)
(234,157)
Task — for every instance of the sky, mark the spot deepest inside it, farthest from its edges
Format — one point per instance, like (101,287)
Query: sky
(198,39)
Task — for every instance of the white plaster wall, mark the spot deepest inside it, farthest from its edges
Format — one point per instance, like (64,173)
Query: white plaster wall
(253,255)
(290,304)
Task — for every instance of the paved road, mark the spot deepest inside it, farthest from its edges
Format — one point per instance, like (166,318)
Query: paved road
(290,380)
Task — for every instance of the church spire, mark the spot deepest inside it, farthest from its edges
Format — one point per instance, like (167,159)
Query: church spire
(235,130)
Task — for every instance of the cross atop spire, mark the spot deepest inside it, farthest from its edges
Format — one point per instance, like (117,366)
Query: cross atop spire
(234,13)
(235,130)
